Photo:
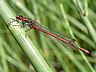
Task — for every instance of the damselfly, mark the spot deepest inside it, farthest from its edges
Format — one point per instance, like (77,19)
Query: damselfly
(65,39)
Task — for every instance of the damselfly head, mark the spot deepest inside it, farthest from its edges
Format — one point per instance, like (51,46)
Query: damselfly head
(18,16)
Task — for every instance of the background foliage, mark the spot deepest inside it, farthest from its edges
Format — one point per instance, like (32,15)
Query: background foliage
(75,18)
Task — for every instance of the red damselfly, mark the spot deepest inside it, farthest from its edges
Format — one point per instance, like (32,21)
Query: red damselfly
(61,37)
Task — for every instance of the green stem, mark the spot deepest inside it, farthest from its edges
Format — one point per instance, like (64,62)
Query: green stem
(29,49)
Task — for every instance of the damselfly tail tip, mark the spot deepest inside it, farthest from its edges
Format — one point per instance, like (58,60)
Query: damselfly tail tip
(86,51)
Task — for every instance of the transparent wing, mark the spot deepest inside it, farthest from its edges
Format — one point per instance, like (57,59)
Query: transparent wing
(54,32)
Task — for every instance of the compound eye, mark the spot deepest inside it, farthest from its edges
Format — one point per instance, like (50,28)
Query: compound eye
(18,17)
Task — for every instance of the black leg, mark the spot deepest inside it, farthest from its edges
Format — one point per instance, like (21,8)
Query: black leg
(28,30)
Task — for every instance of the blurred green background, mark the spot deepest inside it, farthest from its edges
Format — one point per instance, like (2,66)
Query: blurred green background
(74,18)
